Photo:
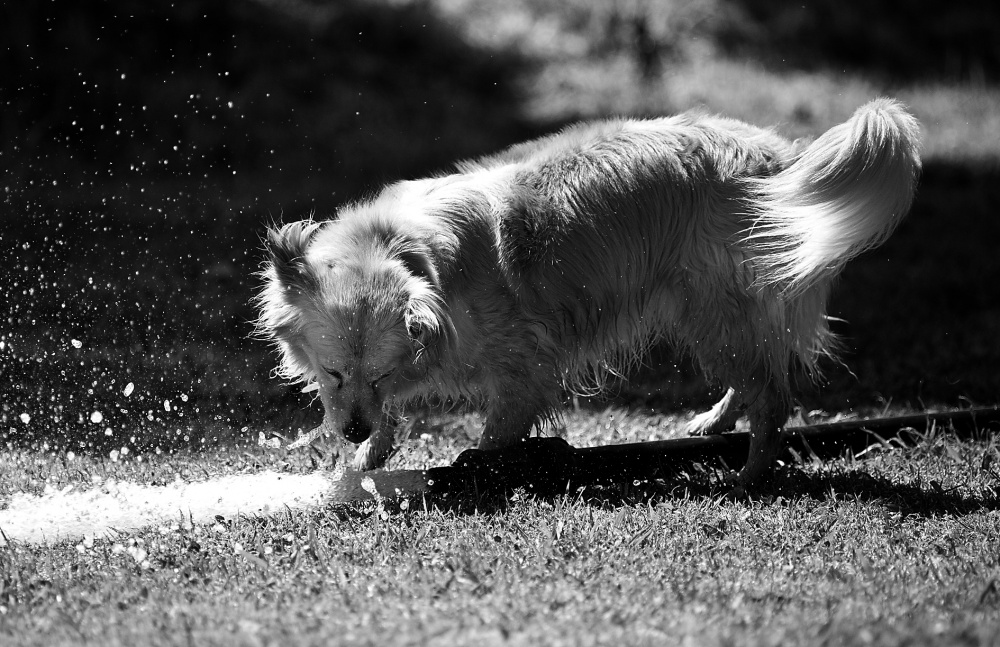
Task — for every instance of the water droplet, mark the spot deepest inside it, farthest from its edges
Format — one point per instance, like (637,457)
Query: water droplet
(96,417)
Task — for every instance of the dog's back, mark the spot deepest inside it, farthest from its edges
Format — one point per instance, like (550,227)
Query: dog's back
(620,232)
(623,231)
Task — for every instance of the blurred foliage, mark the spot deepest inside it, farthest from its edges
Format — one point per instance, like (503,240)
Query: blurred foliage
(907,40)
(316,98)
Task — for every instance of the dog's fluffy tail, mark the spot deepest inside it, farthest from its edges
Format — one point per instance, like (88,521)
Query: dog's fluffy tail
(843,195)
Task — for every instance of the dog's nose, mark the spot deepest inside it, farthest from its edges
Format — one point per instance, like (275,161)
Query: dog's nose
(357,429)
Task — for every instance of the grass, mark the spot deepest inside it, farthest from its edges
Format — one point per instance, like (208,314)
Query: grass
(140,248)
(898,549)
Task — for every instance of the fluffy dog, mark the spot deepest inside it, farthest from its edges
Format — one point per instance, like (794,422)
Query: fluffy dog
(550,264)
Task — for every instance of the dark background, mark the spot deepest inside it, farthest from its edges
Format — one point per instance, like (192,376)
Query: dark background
(145,146)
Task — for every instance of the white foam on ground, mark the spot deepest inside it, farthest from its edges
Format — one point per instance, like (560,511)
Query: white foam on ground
(122,506)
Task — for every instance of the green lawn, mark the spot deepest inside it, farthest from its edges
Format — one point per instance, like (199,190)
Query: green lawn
(899,549)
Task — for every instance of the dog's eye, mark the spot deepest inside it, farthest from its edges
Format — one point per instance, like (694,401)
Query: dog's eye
(375,382)
(335,374)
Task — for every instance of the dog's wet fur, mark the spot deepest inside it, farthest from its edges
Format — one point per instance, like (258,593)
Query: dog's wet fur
(555,262)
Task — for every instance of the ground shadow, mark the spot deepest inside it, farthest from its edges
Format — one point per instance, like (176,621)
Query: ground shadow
(921,313)
(925,499)
(913,497)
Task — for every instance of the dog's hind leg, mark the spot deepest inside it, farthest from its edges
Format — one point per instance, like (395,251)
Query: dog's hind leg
(768,414)
(720,418)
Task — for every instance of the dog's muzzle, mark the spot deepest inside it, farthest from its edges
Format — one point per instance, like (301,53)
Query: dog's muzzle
(357,429)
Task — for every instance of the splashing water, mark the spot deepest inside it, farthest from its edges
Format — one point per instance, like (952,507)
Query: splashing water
(120,507)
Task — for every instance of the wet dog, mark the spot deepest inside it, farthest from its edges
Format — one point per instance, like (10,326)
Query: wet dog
(546,266)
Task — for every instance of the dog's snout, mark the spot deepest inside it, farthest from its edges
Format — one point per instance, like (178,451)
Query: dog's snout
(357,429)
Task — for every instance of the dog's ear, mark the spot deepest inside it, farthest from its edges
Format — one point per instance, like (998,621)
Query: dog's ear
(416,258)
(285,279)
(427,322)
(419,325)
(286,248)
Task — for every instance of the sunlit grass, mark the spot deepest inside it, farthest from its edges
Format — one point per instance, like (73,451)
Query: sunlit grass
(899,548)
(800,104)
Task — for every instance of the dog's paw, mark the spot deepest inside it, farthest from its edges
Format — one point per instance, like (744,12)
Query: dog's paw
(365,459)
(737,493)
(707,424)
(371,455)
(752,483)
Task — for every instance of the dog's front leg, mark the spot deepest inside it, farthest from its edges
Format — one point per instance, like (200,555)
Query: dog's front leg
(374,452)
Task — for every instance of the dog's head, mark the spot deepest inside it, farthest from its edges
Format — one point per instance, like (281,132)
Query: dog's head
(354,307)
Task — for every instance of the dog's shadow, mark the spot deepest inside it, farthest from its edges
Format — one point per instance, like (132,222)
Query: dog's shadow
(830,482)
(915,496)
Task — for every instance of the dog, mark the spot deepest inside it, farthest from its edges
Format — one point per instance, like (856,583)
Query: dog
(559,261)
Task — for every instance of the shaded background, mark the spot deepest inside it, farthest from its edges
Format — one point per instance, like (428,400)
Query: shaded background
(145,146)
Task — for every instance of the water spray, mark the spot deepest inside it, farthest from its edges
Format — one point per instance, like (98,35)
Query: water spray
(539,465)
